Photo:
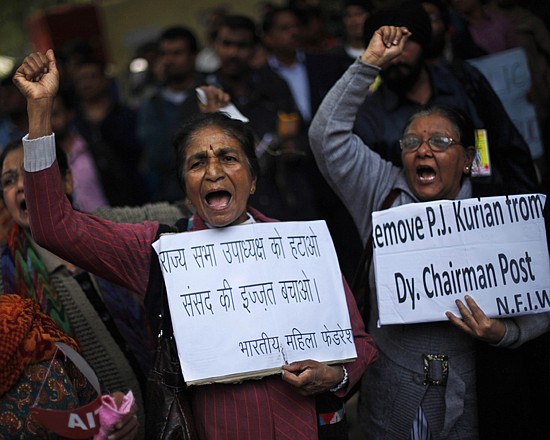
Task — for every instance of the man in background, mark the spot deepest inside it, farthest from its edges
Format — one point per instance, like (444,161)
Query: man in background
(409,83)
(310,76)
(264,98)
(161,115)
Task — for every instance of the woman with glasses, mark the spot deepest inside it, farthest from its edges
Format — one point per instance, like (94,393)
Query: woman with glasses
(437,151)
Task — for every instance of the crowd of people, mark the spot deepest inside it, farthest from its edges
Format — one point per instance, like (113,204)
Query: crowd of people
(346,116)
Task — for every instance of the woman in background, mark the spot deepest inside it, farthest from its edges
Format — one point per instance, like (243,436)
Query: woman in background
(103,318)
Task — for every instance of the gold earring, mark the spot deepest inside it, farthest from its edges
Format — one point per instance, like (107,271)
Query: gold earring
(252,190)
(188,201)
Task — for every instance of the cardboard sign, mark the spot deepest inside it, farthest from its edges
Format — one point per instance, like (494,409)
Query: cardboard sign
(494,249)
(244,300)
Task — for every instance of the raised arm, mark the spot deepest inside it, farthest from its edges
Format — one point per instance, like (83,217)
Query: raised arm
(38,79)
(352,169)
(386,44)
(118,252)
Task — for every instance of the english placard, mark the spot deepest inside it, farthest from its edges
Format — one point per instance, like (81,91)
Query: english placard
(494,249)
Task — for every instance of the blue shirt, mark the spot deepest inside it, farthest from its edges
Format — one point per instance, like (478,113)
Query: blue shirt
(297,79)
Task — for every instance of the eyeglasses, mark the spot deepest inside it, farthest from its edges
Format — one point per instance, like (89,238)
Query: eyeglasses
(412,142)
(9,179)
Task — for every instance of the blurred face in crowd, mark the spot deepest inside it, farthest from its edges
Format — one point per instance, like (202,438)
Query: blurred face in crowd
(12,187)
(90,81)
(218,178)
(402,73)
(314,30)
(11,181)
(439,31)
(284,37)
(435,175)
(235,48)
(176,61)
(438,27)
(354,19)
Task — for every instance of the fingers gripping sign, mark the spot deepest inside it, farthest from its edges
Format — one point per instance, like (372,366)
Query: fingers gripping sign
(212,99)
(312,377)
(474,322)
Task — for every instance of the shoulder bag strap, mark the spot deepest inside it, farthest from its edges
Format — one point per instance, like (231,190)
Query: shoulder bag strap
(360,283)
(155,293)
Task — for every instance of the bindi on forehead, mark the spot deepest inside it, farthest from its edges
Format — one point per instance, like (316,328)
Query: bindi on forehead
(215,150)
(204,150)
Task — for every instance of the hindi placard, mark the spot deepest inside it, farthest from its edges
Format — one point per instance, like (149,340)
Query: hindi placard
(246,299)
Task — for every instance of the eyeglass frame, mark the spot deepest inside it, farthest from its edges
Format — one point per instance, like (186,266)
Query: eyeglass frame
(427,141)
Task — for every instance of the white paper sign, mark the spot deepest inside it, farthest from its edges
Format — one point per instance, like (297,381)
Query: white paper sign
(509,75)
(246,299)
(427,255)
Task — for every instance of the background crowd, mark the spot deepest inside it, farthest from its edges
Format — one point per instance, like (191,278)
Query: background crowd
(276,68)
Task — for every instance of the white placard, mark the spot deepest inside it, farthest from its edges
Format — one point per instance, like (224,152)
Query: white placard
(509,75)
(427,255)
(246,299)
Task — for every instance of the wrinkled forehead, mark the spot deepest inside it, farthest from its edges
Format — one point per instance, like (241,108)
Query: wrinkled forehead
(432,124)
(211,138)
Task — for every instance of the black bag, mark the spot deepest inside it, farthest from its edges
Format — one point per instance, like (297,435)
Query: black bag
(168,411)
(168,414)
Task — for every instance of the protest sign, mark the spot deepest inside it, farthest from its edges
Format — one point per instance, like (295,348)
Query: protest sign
(427,255)
(246,299)
(508,73)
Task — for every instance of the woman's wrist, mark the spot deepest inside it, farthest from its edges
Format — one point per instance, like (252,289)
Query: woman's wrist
(40,114)
(343,383)
(370,59)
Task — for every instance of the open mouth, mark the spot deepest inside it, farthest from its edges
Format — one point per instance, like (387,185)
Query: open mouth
(218,199)
(23,206)
(425,173)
